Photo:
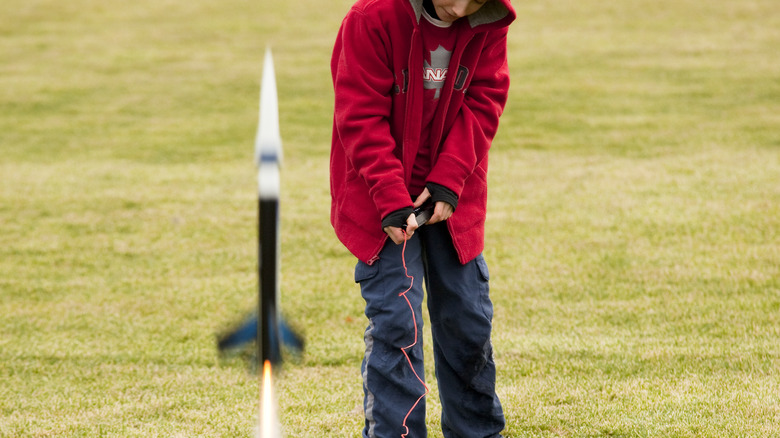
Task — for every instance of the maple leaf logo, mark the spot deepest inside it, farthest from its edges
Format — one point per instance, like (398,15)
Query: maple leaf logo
(435,72)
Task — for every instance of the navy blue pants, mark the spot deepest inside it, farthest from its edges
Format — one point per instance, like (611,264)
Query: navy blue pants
(461,315)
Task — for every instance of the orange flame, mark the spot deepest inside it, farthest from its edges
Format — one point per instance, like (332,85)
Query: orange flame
(269,421)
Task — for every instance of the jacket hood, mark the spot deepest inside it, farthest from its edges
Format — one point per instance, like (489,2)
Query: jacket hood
(494,14)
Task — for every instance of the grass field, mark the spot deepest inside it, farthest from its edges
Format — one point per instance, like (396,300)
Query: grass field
(633,233)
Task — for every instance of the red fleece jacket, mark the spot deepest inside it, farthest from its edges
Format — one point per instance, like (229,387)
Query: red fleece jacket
(377,68)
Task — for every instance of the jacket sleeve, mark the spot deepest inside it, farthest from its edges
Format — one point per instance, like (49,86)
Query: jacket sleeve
(363,83)
(477,118)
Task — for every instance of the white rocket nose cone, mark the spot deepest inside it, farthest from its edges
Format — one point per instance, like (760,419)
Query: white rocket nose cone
(268,145)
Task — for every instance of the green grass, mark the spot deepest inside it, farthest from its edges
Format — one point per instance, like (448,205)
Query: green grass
(633,232)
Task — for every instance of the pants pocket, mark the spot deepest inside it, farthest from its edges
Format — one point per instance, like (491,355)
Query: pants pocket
(364,276)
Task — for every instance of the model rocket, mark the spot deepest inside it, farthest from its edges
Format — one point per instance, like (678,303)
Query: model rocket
(268,156)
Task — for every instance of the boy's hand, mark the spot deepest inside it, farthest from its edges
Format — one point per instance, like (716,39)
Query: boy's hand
(441,211)
(397,235)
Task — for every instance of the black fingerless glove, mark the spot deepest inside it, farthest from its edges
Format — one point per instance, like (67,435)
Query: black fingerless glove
(441,193)
(397,218)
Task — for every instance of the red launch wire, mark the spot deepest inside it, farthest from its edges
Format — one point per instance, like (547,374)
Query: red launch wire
(404,349)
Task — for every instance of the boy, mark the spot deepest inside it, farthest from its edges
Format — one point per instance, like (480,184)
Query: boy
(419,88)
